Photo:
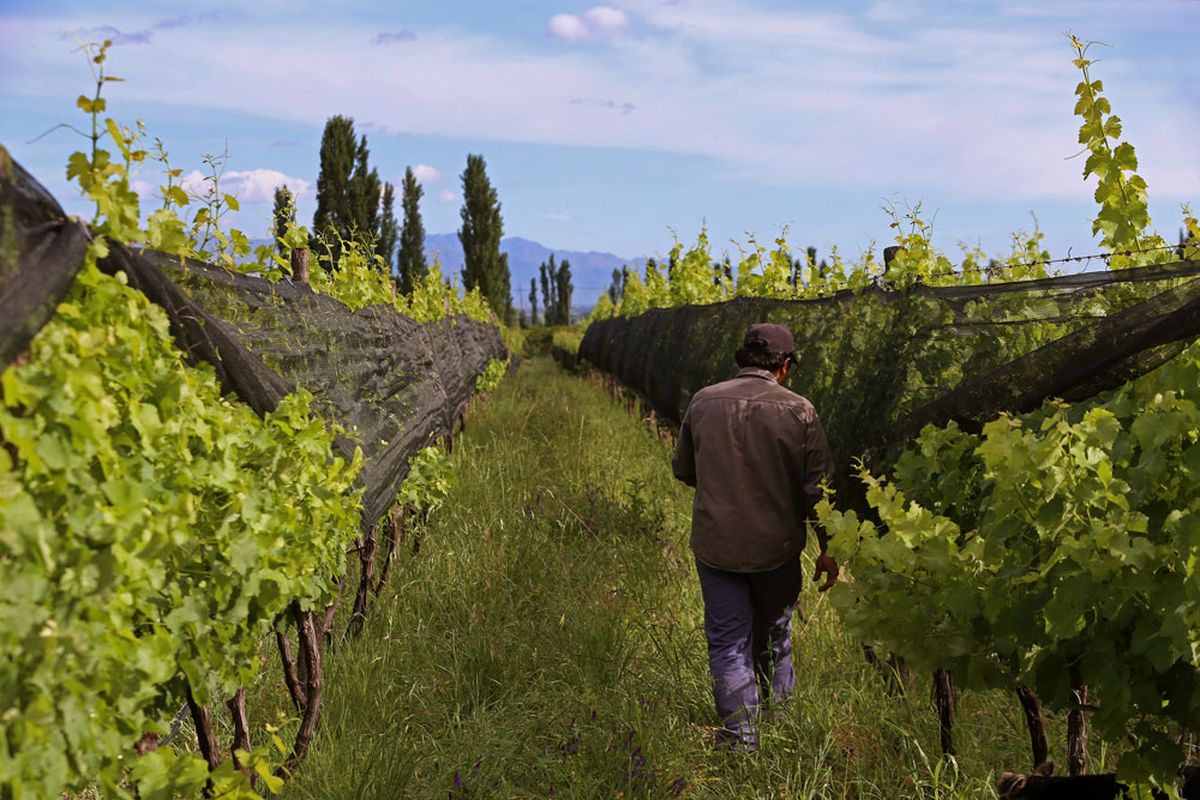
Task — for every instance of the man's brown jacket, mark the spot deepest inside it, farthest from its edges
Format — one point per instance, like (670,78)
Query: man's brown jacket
(756,453)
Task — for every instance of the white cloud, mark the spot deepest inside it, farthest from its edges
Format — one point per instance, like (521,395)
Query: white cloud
(606,18)
(425,173)
(596,23)
(248,186)
(395,37)
(567,27)
(447,196)
(970,104)
(558,216)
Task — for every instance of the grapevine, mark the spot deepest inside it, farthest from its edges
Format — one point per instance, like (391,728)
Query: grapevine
(153,532)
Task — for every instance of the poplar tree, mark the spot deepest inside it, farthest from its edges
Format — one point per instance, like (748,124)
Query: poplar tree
(484,266)
(533,301)
(285,214)
(389,229)
(556,291)
(410,261)
(563,292)
(618,286)
(546,271)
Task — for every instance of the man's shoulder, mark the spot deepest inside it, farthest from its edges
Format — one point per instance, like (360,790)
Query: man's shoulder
(754,390)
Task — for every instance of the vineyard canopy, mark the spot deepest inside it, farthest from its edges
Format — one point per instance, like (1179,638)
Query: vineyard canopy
(394,384)
(880,364)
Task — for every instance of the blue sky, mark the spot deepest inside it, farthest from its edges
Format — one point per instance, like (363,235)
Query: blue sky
(607,127)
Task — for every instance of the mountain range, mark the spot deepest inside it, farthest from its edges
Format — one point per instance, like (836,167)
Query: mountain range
(591,272)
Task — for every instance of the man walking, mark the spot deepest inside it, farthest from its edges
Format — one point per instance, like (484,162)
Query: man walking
(756,453)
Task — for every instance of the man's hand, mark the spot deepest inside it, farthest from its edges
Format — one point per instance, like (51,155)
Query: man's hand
(828,567)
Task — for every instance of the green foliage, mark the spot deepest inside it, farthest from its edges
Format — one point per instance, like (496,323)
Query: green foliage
(152,532)
(118,211)
(538,341)
(165,774)
(491,377)
(1067,536)
(693,281)
(1124,213)
(1189,243)
(603,309)
(360,278)
(567,339)
(209,241)
(514,339)
(484,266)
(104,181)
(360,281)
(433,297)
(431,474)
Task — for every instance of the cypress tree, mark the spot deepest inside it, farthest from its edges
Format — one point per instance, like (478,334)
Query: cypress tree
(334,216)
(484,266)
(410,262)
(389,229)
(533,301)
(285,213)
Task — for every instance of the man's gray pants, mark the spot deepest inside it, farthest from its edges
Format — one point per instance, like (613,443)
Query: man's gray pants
(748,624)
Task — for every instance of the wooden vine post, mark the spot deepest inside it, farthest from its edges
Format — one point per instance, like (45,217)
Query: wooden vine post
(300,272)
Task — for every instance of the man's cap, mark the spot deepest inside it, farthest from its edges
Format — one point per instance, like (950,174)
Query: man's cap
(769,337)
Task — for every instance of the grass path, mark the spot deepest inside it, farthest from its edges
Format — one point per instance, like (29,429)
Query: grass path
(547,641)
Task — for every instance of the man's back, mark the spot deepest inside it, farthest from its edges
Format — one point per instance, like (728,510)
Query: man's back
(756,453)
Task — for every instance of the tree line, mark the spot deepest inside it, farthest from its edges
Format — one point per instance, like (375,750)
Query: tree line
(356,209)
(556,293)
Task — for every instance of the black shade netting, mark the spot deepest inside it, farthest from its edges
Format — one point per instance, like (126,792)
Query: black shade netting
(41,250)
(394,384)
(880,364)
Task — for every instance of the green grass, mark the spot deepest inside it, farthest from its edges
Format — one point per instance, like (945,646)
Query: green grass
(547,641)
